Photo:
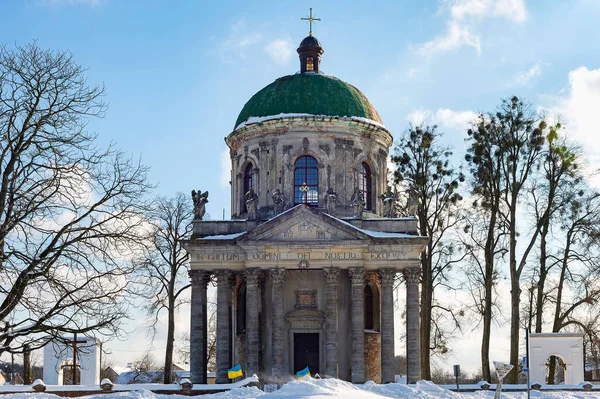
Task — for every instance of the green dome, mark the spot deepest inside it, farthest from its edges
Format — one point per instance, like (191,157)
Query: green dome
(309,93)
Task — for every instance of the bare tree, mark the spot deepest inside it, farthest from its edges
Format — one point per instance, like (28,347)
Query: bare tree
(515,135)
(423,167)
(70,213)
(165,265)
(483,231)
(183,348)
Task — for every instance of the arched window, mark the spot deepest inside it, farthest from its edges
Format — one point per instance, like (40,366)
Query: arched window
(364,184)
(309,64)
(248,178)
(371,304)
(306,181)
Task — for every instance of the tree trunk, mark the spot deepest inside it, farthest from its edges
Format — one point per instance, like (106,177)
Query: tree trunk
(27,366)
(426,304)
(487,305)
(515,294)
(168,378)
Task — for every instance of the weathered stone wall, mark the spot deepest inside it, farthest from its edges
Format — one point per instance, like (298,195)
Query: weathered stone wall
(373,356)
(338,146)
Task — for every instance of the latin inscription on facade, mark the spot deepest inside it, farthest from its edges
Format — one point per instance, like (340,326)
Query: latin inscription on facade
(296,256)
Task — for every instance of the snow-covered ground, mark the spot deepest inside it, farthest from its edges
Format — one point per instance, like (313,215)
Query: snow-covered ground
(331,388)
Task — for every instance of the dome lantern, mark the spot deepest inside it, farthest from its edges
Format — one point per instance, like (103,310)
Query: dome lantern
(310,51)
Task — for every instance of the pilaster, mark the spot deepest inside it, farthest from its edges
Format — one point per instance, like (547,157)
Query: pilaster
(198,326)
(252,327)
(224,288)
(331,321)
(412,277)
(277,345)
(386,277)
(357,276)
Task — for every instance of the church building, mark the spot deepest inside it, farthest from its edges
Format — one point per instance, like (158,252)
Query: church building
(307,266)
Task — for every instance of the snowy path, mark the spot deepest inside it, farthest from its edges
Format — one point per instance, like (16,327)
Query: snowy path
(331,388)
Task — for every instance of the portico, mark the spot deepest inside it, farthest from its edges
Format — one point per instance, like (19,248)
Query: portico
(305,274)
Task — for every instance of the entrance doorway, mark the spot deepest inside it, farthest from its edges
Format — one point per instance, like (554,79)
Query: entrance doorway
(306,352)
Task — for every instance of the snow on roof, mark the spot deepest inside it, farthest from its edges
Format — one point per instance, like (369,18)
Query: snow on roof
(222,236)
(260,119)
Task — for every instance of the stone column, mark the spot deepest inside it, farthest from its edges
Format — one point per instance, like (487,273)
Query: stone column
(357,276)
(277,338)
(331,321)
(224,287)
(252,327)
(198,326)
(412,276)
(387,276)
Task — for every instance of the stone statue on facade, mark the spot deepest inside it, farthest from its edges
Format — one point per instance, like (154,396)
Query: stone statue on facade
(412,203)
(199,199)
(330,201)
(279,201)
(252,204)
(389,200)
(358,202)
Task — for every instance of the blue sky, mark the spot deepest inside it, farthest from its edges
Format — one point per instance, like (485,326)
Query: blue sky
(177,73)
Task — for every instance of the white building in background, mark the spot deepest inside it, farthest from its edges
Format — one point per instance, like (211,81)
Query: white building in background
(59,354)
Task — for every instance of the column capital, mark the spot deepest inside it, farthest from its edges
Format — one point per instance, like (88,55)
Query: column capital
(387,275)
(331,275)
(412,275)
(199,277)
(253,276)
(277,274)
(224,276)
(357,275)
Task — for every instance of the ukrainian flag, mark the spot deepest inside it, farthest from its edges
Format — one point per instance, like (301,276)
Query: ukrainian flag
(235,371)
(303,373)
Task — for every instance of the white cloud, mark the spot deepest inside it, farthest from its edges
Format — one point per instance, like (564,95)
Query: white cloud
(454,119)
(464,17)
(525,77)
(236,44)
(280,50)
(444,117)
(456,36)
(578,108)
(225,173)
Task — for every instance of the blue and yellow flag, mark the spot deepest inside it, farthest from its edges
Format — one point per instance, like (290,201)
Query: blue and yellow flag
(303,373)
(235,371)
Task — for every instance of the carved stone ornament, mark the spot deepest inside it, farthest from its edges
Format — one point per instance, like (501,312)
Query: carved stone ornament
(357,275)
(199,199)
(277,275)
(251,204)
(224,277)
(330,201)
(331,275)
(305,299)
(357,201)
(199,277)
(412,275)
(253,276)
(387,276)
(305,319)
(279,201)
(305,144)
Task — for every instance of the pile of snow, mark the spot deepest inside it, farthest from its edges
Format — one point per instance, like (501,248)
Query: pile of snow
(332,388)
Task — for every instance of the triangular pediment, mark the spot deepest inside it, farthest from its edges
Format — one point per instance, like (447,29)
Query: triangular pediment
(303,223)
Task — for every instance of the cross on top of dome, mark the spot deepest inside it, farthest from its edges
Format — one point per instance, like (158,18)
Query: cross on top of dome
(310,20)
